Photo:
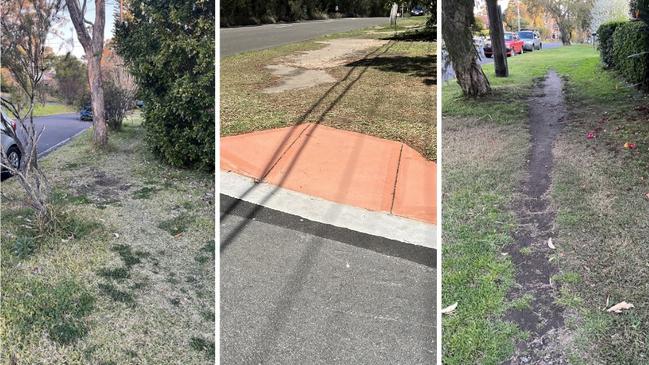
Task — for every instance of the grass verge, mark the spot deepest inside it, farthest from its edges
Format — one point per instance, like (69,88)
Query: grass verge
(41,110)
(95,289)
(390,95)
(598,191)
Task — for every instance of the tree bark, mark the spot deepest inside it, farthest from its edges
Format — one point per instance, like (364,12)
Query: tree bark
(566,34)
(93,45)
(100,136)
(457,19)
(497,35)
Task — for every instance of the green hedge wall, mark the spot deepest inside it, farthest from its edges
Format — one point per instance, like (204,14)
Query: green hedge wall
(631,52)
(605,36)
(168,45)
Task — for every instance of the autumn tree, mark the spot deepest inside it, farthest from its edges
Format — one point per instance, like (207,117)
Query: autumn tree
(570,15)
(457,22)
(91,37)
(25,26)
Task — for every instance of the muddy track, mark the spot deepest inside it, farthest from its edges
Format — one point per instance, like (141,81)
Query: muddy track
(542,319)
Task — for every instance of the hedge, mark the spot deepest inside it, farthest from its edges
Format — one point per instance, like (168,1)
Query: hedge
(168,45)
(605,36)
(631,52)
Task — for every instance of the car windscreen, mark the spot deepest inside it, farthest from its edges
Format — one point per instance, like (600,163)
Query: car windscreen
(509,36)
(526,35)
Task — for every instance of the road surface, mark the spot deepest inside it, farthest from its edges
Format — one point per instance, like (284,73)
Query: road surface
(241,39)
(59,129)
(301,292)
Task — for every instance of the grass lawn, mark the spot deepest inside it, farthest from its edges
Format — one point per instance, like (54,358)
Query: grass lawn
(390,94)
(127,276)
(52,108)
(598,190)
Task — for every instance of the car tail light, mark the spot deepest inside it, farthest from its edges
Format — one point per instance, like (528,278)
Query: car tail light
(13,125)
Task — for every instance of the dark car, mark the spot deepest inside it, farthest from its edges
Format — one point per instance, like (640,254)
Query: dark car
(417,11)
(86,113)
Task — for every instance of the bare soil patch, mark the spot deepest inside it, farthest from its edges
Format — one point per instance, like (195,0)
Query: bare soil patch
(542,318)
(307,69)
(293,78)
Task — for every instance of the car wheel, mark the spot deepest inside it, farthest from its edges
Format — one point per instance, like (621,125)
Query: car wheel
(13,157)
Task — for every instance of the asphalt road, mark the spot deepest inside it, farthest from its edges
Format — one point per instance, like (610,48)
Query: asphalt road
(449,74)
(58,129)
(300,292)
(241,39)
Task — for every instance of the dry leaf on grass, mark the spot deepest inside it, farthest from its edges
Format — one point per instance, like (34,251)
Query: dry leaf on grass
(450,309)
(550,244)
(619,307)
(646,196)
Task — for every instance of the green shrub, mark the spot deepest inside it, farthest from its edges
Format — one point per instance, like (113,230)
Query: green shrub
(117,102)
(631,52)
(168,46)
(605,36)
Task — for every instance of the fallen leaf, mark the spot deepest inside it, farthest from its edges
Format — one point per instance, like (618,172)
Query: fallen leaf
(619,307)
(646,196)
(450,309)
(550,244)
(116,235)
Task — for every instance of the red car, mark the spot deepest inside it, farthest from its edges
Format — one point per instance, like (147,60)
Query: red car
(513,43)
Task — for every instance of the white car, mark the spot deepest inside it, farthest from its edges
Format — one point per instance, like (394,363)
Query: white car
(8,144)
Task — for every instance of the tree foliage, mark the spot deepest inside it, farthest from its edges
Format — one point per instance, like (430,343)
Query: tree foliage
(241,12)
(570,15)
(168,45)
(70,77)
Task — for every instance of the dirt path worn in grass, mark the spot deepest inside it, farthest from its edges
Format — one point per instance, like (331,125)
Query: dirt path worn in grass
(541,317)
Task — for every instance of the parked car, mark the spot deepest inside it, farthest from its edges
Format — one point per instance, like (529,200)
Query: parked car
(531,39)
(513,44)
(417,11)
(86,113)
(8,144)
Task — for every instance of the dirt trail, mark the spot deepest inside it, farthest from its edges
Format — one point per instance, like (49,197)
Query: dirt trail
(308,69)
(530,253)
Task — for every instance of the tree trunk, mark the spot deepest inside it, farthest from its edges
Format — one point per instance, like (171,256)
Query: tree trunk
(100,136)
(497,34)
(456,30)
(566,35)
(93,44)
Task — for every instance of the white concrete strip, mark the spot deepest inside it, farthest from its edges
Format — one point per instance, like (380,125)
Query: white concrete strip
(323,211)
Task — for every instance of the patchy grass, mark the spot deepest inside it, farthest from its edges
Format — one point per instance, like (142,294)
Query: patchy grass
(482,165)
(41,110)
(93,289)
(597,190)
(389,94)
(176,225)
